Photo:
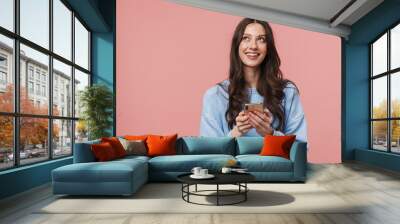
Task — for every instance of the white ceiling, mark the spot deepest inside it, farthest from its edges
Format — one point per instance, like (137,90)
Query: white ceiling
(324,16)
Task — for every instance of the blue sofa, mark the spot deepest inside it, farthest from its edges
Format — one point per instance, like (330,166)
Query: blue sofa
(125,176)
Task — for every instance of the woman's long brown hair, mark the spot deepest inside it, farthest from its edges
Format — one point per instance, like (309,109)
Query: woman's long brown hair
(270,84)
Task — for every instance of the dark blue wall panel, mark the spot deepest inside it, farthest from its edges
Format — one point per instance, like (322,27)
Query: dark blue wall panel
(356,84)
(24,178)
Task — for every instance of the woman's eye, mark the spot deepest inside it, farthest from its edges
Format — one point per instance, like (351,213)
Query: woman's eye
(245,38)
(262,39)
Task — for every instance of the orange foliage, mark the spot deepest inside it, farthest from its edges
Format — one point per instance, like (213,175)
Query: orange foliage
(34,130)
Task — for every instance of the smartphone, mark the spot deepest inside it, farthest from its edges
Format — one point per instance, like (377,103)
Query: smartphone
(254,107)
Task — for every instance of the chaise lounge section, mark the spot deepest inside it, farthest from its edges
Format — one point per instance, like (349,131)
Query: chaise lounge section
(125,176)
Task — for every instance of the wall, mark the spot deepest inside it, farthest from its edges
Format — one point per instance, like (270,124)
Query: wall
(356,88)
(169,54)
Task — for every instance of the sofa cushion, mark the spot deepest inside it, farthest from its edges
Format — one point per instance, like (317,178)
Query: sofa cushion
(83,152)
(257,163)
(249,145)
(111,171)
(206,145)
(185,163)
(131,158)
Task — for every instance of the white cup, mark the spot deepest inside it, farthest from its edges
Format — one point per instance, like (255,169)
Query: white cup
(196,171)
(226,170)
(203,172)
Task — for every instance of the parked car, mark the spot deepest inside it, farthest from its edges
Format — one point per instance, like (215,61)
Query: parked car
(22,155)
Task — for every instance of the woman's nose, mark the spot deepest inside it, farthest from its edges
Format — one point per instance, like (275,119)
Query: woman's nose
(253,44)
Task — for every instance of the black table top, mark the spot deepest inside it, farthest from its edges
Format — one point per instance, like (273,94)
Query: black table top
(220,178)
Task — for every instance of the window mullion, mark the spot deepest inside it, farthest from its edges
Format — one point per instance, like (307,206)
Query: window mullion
(50,81)
(16,84)
(73,82)
(389,106)
(370,98)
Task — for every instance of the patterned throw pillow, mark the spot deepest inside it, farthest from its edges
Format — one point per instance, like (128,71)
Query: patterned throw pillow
(134,147)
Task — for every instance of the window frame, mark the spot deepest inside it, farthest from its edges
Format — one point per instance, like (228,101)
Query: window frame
(388,74)
(16,115)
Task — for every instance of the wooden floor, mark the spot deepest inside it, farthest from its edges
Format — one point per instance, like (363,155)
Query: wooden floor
(377,188)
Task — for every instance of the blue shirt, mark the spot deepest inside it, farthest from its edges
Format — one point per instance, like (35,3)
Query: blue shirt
(215,103)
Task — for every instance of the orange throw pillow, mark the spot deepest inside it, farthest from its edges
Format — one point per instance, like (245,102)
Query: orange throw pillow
(161,145)
(135,137)
(116,145)
(277,145)
(103,152)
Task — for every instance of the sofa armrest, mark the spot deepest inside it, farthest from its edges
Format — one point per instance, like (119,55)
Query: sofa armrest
(83,152)
(298,155)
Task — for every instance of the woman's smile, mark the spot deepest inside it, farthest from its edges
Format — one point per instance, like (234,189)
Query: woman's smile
(252,55)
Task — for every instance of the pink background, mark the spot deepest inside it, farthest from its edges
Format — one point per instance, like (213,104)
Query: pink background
(169,54)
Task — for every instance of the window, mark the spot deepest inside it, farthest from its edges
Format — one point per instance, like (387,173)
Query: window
(43,109)
(38,73)
(3,71)
(3,78)
(7,14)
(62,74)
(34,21)
(3,61)
(30,87)
(81,45)
(44,91)
(62,29)
(30,72)
(37,89)
(385,91)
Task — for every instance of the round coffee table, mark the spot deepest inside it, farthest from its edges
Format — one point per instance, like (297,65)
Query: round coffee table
(238,179)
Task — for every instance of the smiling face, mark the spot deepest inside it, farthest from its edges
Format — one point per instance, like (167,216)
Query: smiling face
(253,46)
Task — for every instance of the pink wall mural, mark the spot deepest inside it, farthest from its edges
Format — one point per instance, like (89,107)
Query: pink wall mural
(168,55)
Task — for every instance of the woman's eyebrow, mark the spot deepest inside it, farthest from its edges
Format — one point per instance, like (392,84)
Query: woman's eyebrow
(262,35)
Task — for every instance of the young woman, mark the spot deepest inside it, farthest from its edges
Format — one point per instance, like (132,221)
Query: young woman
(254,77)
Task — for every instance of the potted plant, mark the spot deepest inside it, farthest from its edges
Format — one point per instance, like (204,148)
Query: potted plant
(96,102)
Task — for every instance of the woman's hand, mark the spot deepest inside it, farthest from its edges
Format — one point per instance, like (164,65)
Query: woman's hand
(261,122)
(242,125)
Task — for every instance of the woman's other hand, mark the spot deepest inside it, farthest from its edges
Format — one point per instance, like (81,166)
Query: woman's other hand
(261,121)
(242,125)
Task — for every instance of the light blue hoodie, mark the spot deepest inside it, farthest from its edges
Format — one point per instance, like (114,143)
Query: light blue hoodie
(215,103)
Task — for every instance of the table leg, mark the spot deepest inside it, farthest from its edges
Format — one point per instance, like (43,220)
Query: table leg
(188,190)
(245,193)
(217,194)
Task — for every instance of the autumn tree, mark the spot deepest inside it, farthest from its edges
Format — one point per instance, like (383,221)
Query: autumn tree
(33,130)
(380,127)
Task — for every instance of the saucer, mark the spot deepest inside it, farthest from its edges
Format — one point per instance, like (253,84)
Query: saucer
(208,176)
